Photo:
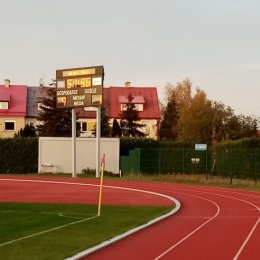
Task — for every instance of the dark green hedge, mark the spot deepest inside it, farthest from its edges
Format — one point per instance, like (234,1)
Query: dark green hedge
(253,142)
(127,144)
(19,155)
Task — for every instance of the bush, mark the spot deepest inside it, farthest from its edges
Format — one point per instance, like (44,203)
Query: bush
(129,143)
(19,155)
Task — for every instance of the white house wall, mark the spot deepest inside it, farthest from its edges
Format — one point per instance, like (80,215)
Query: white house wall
(55,154)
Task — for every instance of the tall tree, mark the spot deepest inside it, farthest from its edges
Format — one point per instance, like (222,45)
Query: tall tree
(129,120)
(222,114)
(105,126)
(168,128)
(195,123)
(178,99)
(55,122)
(181,94)
(198,119)
(241,126)
(116,130)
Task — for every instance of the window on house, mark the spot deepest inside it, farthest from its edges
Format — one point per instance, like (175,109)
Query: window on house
(138,107)
(83,126)
(91,126)
(39,106)
(86,126)
(4,105)
(9,125)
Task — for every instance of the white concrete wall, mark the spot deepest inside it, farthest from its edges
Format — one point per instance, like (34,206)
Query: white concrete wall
(55,154)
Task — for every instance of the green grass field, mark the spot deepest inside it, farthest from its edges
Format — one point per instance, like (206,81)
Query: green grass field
(56,231)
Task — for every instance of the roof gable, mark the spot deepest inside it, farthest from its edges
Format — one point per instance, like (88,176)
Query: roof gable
(16,95)
(136,100)
(142,95)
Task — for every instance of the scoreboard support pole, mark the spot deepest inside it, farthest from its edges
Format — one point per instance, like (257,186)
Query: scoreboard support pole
(98,134)
(73,141)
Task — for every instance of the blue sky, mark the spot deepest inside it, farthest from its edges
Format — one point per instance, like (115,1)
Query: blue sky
(214,43)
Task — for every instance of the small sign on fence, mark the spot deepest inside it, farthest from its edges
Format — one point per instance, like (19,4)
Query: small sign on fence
(200,147)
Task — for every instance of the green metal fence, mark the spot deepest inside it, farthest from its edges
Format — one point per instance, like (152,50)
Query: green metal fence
(239,163)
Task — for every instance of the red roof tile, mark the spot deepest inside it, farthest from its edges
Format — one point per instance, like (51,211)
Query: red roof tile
(149,94)
(113,96)
(17,96)
(5,97)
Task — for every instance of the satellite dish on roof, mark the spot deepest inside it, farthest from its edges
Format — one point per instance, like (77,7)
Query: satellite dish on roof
(41,82)
(154,122)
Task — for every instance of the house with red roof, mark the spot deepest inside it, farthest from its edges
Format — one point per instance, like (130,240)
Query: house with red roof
(13,100)
(114,98)
(19,106)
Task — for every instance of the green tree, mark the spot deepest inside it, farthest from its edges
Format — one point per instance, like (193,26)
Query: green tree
(241,126)
(129,120)
(105,126)
(221,117)
(168,128)
(116,130)
(54,122)
(199,120)
(27,131)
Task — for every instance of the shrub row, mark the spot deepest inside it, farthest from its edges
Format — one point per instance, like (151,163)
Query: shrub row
(19,155)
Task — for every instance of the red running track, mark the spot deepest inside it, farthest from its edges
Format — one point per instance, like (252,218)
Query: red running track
(212,224)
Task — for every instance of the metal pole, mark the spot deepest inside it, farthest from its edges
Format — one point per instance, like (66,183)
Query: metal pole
(231,176)
(207,165)
(255,169)
(73,141)
(160,161)
(98,133)
(183,160)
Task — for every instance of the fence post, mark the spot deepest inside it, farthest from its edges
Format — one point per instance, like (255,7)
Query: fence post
(207,164)
(139,162)
(183,160)
(160,161)
(230,166)
(255,168)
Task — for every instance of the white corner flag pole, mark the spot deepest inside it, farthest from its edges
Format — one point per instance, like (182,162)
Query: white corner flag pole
(73,141)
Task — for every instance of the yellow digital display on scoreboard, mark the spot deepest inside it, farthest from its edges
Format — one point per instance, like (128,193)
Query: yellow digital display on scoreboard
(79,83)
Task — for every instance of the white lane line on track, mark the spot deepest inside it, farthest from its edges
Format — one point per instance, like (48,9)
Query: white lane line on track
(60,214)
(247,202)
(46,231)
(246,240)
(124,235)
(195,230)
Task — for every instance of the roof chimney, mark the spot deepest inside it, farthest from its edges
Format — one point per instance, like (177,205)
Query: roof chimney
(7,83)
(127,84)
